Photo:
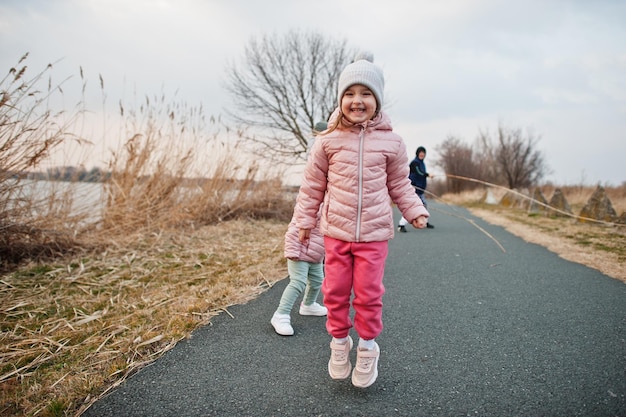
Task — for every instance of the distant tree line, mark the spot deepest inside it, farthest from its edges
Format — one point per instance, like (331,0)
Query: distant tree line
(70,173)
(509,158)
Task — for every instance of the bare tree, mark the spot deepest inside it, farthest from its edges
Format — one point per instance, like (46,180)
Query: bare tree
(283,86)
(459,159)
(517,161)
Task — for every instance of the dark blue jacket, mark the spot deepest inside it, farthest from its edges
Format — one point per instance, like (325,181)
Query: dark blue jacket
(418,174)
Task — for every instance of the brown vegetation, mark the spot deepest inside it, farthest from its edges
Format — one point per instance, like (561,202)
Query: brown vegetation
(91,292)
(74,328)
(29,132)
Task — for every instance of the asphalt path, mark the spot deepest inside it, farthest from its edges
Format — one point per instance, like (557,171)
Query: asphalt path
(470,330)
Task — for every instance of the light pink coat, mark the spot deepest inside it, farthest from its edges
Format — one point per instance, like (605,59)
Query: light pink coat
(312,251)
(357,172)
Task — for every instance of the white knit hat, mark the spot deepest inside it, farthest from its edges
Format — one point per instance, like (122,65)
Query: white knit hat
(363,71)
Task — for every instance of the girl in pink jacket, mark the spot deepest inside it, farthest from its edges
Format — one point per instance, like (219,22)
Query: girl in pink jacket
(357,167)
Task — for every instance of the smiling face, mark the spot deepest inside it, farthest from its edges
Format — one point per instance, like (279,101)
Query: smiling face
(358,104)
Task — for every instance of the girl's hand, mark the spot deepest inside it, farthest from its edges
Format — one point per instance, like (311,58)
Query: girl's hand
(304,234)
(420,222)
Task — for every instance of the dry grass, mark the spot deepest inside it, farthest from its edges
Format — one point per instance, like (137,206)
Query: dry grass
(74,329)
(599,246)
(90,294)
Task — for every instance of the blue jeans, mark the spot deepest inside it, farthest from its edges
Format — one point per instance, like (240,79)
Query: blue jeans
(403,221)
(421,196)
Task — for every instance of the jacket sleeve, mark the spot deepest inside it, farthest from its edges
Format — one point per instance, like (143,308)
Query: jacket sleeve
(400,189)
(292,245)
(313,188)
(420,169)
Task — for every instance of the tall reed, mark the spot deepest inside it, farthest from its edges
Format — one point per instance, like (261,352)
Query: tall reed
(177,172)
(32,224)
(174,167)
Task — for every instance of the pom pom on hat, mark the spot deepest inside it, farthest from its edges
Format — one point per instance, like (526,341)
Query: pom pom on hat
(363,71)
(366,55)
(320,126)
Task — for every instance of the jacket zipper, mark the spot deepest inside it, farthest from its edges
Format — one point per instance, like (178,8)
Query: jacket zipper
(360,190)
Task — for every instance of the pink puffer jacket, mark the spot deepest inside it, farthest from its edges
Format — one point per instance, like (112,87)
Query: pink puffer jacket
(355,171)
(313,251)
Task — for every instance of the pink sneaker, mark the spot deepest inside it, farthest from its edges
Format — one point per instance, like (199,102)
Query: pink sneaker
(366,368)
(339,365)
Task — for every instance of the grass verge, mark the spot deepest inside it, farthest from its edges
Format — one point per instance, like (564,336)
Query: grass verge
(74,329)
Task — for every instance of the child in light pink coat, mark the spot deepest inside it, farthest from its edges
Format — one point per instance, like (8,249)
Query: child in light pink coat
(356,168)
(305,267)
(306,273)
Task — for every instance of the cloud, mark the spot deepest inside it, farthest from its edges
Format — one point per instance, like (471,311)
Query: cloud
(452,67)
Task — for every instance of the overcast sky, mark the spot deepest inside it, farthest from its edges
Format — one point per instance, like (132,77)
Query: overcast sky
(453,67)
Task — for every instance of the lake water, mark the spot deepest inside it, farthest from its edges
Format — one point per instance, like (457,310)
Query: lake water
(84,198)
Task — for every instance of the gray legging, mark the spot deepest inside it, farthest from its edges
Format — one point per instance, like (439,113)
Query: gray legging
(302,275)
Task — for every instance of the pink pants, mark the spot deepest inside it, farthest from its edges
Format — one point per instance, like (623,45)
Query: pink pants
(359,267)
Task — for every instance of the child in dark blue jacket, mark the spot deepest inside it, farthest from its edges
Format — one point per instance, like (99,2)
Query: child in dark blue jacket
(417,175)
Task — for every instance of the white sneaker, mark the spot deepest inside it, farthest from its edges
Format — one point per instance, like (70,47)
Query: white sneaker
(282,324)
(313,310)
